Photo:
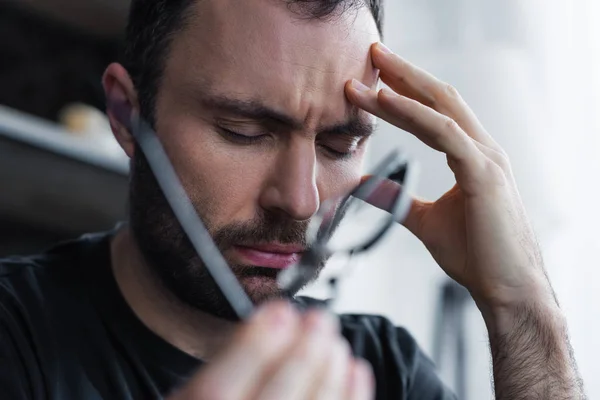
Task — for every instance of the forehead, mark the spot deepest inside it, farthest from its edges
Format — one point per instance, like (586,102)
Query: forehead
(263,50)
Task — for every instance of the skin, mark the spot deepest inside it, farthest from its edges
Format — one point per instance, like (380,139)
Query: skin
(311,70)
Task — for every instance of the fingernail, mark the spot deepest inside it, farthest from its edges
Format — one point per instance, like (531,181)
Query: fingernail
(384,48)
(359,86)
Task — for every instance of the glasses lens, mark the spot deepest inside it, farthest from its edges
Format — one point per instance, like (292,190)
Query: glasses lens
(357,223)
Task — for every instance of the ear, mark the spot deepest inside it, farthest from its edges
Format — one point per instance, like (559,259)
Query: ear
(118,87)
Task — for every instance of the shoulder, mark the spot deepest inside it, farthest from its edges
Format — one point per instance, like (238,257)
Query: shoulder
(26,291)
(25,337)
(39,284)
(31,276)
(19,279)
(43,298)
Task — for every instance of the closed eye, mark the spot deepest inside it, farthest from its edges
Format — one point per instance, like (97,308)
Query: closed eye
(242,138)
(340,155)
(341,146)
(335,146)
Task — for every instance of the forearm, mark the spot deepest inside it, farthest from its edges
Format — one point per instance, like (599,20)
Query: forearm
(531,353)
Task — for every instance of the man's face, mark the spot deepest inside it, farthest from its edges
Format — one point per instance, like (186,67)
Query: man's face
(252,113)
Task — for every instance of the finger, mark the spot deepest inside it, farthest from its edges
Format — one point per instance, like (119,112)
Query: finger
(361,383)
(334,379)
(496,155)
(432,128)
(413,82)
(237,371)
(297,373)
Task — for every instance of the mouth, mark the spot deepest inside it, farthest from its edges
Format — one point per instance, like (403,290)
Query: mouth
(270,255)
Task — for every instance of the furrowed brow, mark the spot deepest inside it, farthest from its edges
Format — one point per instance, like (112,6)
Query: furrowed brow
(256,110)
(354,127)
(251,109)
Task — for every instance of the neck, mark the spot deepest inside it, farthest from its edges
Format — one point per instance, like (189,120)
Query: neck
(192,331)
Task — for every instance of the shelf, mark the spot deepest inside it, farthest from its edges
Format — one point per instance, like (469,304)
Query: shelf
(46,135)
(53,180)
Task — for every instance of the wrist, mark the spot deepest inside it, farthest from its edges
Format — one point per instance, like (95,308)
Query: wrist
(540,311)
(535,304)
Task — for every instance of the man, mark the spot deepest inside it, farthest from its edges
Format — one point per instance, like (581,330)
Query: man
(265,108)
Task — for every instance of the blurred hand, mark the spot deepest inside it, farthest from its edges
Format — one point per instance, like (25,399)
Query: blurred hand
(280,354)
(478,231)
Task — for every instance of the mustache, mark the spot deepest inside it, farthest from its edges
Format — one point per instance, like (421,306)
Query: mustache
(268,227)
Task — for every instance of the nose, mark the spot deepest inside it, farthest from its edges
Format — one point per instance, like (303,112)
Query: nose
(292,187)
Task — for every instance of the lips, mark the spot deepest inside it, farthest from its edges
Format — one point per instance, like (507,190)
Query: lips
(270,255)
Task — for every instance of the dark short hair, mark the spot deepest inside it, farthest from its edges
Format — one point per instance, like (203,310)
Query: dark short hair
(153,24)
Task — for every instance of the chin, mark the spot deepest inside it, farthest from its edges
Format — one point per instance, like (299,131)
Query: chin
(261,288)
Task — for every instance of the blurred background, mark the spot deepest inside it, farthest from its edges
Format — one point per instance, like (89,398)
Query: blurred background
(530,70)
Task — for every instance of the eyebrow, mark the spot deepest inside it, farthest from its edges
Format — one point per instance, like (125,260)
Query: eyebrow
(355,126)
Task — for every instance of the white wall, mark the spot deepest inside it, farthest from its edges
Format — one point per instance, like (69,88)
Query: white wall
(531,71)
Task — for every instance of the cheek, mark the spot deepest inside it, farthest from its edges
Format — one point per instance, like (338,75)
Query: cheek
(222,184)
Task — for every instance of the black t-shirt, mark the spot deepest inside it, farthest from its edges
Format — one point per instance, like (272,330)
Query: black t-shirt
(66,333)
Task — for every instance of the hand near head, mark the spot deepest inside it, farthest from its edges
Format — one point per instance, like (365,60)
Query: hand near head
(280,354)
(477,232)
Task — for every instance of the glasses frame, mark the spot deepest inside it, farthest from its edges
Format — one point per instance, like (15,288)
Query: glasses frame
(394,167)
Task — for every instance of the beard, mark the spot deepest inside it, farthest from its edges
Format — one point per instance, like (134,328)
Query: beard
(172,260)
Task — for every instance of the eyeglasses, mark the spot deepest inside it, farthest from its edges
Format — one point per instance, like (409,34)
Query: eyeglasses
(351,225)
(321,231)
